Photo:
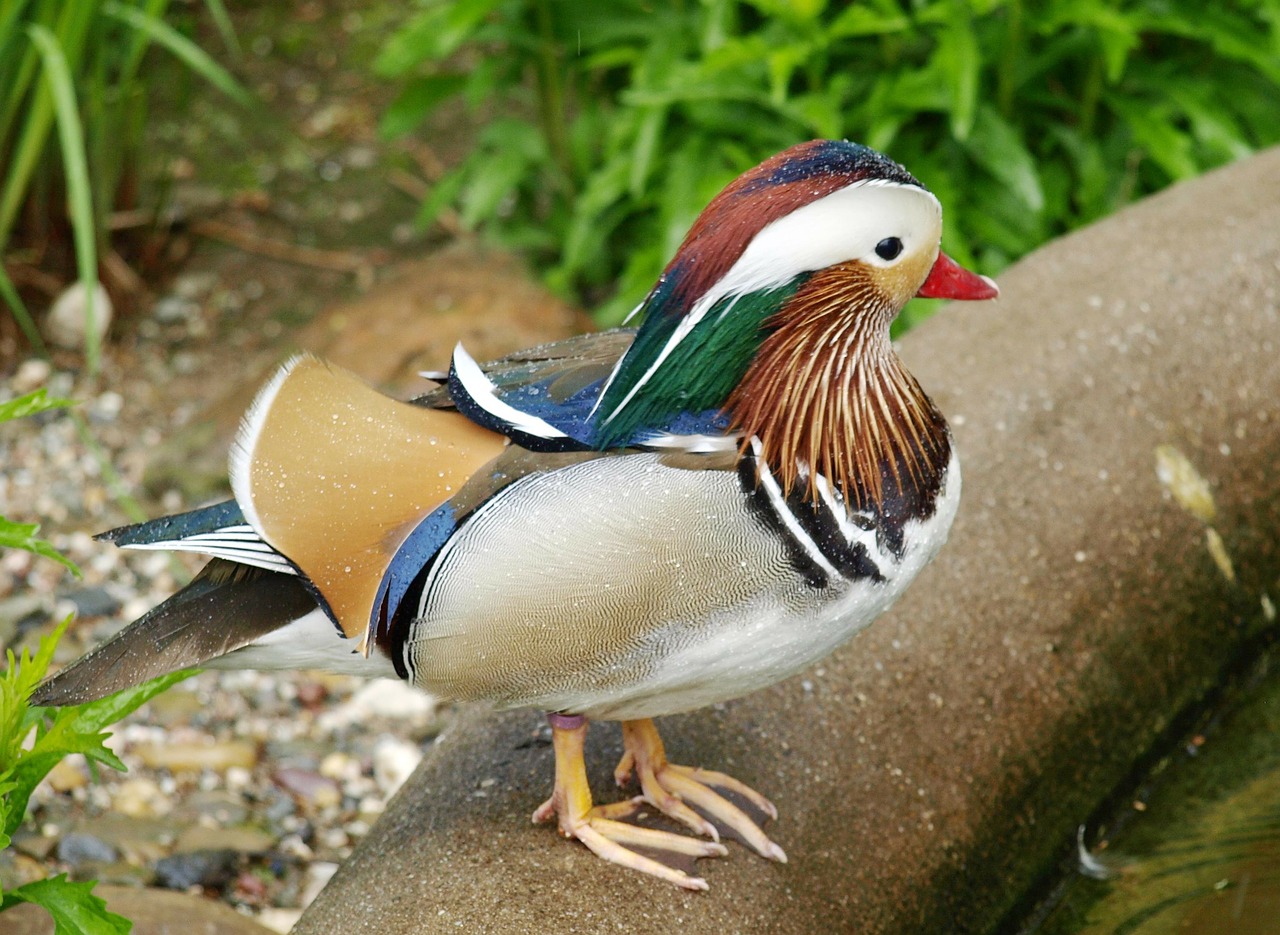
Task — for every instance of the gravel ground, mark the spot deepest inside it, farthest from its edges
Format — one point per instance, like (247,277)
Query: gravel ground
(245,786)
(249,787)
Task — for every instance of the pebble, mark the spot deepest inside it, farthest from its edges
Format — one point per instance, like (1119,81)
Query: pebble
(174,310)
(77,848)
(280,920)
(211,869)
(381,700)
(65,324)
(241,838)
(93,602)
(30,375)
(193,757)
(394,761)
(141,797)
(216,806)
(68,775)
(307,788)
(318,874)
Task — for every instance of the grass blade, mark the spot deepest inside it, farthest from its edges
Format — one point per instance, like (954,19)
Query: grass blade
(222,22)
(191,55)
(20,313)
(76,172)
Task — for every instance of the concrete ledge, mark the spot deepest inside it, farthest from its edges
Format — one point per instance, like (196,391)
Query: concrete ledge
(930,770)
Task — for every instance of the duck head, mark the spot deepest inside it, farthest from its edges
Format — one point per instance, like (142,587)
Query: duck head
(777,307)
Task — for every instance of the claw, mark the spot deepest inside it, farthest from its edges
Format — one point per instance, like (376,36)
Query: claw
(703,800)
(657,853)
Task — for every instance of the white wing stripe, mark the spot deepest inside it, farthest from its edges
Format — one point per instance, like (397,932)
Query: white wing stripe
(269,560)
(481,389)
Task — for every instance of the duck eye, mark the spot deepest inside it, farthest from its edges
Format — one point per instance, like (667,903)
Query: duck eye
(889,248)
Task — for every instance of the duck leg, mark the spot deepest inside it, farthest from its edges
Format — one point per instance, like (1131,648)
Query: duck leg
(724,806)
(659,853)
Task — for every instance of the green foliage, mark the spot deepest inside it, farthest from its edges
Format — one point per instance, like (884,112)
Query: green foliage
(619,121)
(32,741)
(22,535)
(74,908)
(78,65)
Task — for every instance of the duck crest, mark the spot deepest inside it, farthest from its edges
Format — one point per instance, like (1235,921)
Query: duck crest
(826,395)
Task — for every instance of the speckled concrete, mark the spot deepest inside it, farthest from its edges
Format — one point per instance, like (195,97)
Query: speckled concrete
(930,770)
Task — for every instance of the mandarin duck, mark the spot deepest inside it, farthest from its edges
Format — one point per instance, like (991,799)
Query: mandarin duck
(618,526)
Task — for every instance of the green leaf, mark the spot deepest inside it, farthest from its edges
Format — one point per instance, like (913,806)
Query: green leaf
(1152,127)
(17,681)
(190,54)
(995,146)
(872,19)
(76,172)
(79,729)
(443,194)
(31,403)
(23,536)
(416,101)
(645,150)
(222,21)
(74,908)
(434,34)
(18,309)
(958,54)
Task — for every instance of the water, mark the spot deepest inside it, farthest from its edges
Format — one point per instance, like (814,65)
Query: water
(1199,848)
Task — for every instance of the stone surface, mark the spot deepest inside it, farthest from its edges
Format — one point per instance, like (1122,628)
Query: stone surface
(66,324)
(930,771)
(152,911)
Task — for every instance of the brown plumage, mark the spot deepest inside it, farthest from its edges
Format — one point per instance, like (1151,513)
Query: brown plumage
(826,388)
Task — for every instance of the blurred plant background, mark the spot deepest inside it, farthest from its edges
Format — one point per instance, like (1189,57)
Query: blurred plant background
(77,68)
(612,124)
(593,133)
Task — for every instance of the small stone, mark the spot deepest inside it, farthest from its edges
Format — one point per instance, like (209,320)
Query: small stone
(394,761)
(68,775)
(312,694)
(282,806)
(212,869)
(65,323)
(194,285)
(21,610)
(318,876)
(174,310)
(308,788)
(32,374)
(340,767)
(141,798)
(193,757)
(381,700)
(77,848)
(218,806)
(240,838)
(94,602)
(279,920)
(250,888)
